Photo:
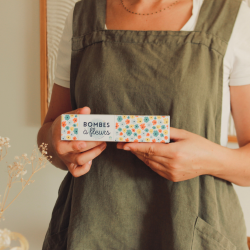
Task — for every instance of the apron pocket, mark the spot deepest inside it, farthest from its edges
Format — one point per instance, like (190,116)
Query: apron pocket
(207,237)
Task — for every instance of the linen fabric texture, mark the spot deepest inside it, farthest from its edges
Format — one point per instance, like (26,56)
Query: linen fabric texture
(121,203)
(236,62)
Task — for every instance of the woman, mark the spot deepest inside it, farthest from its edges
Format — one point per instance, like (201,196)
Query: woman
(153,58)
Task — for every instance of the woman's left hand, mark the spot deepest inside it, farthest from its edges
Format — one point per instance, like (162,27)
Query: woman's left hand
(190,155)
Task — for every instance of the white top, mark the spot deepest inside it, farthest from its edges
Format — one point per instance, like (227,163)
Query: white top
(236,61)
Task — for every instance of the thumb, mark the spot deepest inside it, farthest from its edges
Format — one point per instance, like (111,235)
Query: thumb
(178,134)
(85,110)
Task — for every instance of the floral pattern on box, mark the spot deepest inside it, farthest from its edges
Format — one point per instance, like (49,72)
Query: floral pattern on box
(69,127)
(134,128)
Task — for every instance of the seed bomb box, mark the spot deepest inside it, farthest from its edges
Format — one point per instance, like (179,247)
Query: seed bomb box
(123,128)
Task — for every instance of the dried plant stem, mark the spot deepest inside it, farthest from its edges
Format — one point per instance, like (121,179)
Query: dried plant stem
(6,151)
(4,143)
(17,170)
(26,183)
(7,189)
(5,197)
(13,199)
(3,156)
(32,164)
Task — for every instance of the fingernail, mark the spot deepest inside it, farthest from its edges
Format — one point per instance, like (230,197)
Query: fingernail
(73,165)
(126,148)
(103,146)
(81,146)
(90,162)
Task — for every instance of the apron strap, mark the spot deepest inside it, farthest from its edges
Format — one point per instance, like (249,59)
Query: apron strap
(88,16)
(218,17)
(91,20)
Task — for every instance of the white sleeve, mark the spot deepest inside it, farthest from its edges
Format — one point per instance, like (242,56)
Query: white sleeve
(62,72)
(240,71)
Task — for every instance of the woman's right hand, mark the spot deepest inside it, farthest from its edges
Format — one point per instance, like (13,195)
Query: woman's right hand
(76,155)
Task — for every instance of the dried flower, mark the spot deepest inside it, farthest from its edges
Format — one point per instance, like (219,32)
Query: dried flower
(5,238)
(23,172)
(17,170)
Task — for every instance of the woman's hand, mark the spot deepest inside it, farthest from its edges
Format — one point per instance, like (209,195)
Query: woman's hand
(190,155)
(76,155)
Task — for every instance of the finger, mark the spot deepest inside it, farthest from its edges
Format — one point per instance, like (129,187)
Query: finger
(150,148)
(120,145)
(65,147)
(156,167)
(152,164)
(77,171)
(178,134)
(159,159)
(84,110)
(92,144)
(82,158)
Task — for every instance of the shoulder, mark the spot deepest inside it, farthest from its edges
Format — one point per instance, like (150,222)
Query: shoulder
(240,38)
(239,47)
(241,28)
(62,72)
(244,11)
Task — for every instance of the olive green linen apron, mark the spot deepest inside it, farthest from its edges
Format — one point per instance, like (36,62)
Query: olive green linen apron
(121,204)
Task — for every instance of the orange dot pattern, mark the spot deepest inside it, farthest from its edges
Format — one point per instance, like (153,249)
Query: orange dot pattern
(134,128)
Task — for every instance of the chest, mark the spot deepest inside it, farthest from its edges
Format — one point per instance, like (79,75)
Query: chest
(174,18)
(149,72)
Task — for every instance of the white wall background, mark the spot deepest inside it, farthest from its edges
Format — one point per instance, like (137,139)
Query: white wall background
(20,117)
(20,120)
